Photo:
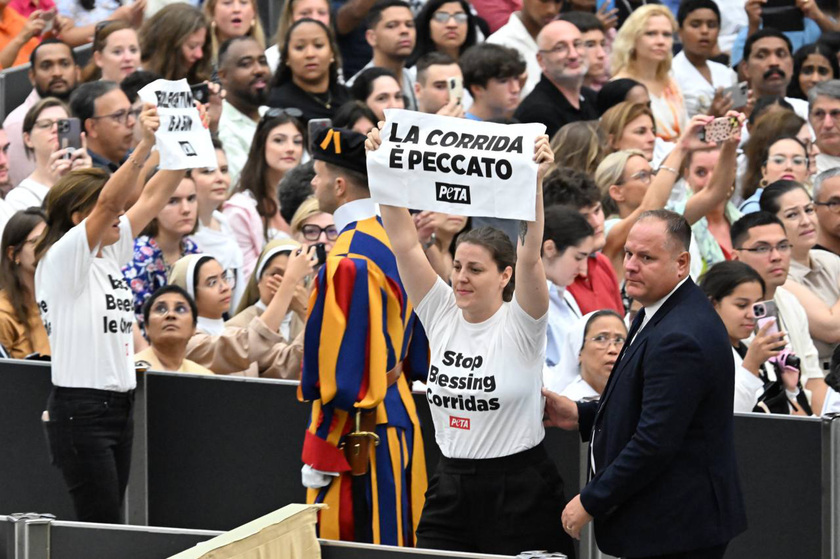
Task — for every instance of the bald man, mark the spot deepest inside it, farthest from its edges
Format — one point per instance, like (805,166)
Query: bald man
(559,97)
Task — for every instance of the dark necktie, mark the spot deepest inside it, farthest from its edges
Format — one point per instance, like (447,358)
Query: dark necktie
(634,328)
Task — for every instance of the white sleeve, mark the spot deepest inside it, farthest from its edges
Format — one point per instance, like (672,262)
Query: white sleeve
(747,390)
(432,309)
(67,262)
(528,332)
(122,252)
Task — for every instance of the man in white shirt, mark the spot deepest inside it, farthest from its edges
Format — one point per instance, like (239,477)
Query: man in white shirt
(245,76)
(700,79)
(824,116)
(760,241)
(391,35)
(520,33)
(827,202)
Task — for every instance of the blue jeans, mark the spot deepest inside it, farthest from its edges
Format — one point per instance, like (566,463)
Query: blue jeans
(89,433)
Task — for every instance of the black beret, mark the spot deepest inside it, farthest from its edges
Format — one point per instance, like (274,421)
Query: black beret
(342,148)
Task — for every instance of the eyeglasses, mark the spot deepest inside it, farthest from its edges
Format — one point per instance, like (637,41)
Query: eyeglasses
(796,160)
(765,250)
(444,17)
(563,48)
(121,117)
(275,112)
(162,309)
(602,341)
(833,205)
(46,123)
(228,277)
(312,232)
(643,176)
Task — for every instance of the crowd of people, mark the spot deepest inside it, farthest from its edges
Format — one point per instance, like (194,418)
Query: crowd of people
(275,262)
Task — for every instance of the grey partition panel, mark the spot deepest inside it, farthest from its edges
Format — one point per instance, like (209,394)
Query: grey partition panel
(779,460)
(14,87)
(83,54)
(221,451)
(7,540)
(348,550)
(29,482)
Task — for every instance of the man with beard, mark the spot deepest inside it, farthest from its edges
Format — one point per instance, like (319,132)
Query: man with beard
(107,120)
(244,73)
(768,65)
(53,73)
(559,97)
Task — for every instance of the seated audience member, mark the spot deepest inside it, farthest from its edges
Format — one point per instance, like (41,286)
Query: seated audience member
(768,65)
(292,11)
(784,158)
(437,233)
(6,210)
(258,349)
(379,89)
(307,75)
(580,146)
(702,81)
(760,241)
(263,284)
(814,274)
(232,19)
(433,71)
(520,33)
(253,210)
(446,26)
(593,33)
(733,288)
(559,97)
(827,201)
(355,116)
(816,22)
(643,43)
(116,53)
(175,43)
(294,189)
(620,90)
(629,126)
(491,76)
(107,121)
(163,242)
(812,64)
(170,316)
(598,287)
(824,116)
(391,35)
(595,342)
(567,243)
(245,75)
(214,235)
(40,130)
(21,331)
(53,73)
(311,226)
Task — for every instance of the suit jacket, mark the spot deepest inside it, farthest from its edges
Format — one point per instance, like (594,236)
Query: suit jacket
(665,476)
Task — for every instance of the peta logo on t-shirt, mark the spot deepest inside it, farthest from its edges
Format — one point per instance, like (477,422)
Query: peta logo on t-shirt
(459,422)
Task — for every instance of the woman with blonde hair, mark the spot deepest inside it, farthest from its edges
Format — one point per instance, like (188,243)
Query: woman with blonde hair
(310,225)
(642,51)
(232,18)
(176,44)
(580,146)
(629,126)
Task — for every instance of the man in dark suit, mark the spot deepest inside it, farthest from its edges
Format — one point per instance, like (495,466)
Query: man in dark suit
(663,479)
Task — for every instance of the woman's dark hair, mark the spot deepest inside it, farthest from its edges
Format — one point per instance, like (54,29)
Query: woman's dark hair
(295,187)
(104,30)
(723,278)
(19,226)
(163,35)
(350,113)
(363,84)
(500,248)
(32,115)
(595,316)
(767,131)
(283,73)
(769,201)
(254,176)
(764,104)
(147,306)
(794,89)
(424,44)
(566,227)
(615,92)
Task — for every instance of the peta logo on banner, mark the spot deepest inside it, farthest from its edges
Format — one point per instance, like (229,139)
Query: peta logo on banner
(453,193)
(459,422)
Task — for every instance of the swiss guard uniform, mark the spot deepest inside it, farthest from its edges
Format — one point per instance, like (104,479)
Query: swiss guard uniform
(363,345)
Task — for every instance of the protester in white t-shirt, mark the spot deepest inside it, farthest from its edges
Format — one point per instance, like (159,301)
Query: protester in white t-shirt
(86,307)
(595,342)
(487,351)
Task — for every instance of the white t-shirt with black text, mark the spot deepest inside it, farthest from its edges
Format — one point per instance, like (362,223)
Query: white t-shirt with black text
(484,381)
(87,309)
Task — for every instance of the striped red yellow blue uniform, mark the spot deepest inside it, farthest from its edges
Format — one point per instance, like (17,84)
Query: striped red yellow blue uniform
(360,326)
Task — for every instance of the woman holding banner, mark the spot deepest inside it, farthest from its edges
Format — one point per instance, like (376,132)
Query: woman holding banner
(495,490)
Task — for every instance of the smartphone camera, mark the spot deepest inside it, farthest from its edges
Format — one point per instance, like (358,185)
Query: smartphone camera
(63,126)
(759,309)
